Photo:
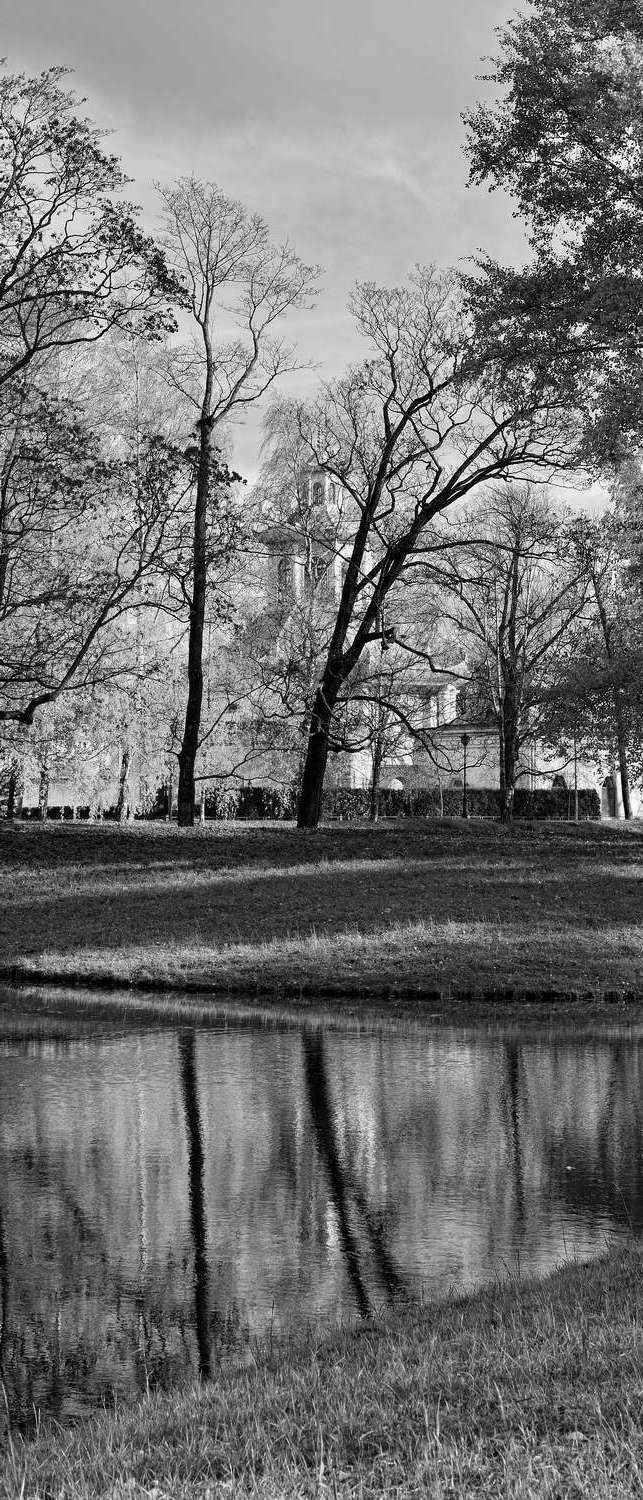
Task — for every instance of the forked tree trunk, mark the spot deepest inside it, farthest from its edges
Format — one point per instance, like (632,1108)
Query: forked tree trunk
(190,745)
(121,804)
(312,781)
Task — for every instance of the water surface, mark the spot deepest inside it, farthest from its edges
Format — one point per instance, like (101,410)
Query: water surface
(165,1194)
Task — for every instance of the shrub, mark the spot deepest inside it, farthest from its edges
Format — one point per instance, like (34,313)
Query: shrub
(556,802)
(350,804)
(222,803)
(266,802)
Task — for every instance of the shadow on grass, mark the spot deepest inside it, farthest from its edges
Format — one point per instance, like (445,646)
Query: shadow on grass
(220,911)
(152,845)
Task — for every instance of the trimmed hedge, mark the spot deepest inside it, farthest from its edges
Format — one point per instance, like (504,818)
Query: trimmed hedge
(351,804)
(250,802)
(557,802)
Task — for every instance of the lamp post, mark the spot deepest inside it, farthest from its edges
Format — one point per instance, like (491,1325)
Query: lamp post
(464,740)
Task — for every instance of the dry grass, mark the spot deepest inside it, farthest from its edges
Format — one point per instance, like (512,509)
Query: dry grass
(409,909)
(529,1391)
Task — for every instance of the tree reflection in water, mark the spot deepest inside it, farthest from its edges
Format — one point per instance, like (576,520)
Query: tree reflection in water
(197,1199)
(512,1111)
(4,1305)
(344,1189)
(163,1195)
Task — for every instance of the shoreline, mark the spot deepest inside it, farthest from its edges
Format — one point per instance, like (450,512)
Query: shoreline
(338,1005)
(530,1388)
(412,916)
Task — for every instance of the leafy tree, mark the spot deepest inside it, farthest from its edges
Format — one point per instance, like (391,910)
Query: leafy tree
(565,140)
(74,263)
(408,433)
(236,280)
(82,536)
(597,700)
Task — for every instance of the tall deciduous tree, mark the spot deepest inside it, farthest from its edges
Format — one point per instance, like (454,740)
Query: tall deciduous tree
(566,141)
(74,262)
(512,597)
(81,533)
(604,678)
(236,281)
(413,429)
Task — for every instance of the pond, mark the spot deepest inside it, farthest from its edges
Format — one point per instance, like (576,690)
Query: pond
(167,1194)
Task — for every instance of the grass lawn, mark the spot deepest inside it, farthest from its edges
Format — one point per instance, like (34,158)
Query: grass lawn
(405,910)
(523,1390)
(531,1391)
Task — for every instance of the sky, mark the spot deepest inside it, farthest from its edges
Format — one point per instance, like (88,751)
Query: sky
(338,121)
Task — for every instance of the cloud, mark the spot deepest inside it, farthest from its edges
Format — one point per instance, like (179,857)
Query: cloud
(339,122)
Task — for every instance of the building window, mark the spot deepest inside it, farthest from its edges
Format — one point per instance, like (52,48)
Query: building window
(284,580)
(318,492)
(317,576)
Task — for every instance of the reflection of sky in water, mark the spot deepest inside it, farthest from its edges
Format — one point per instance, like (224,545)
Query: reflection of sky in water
(165,1192)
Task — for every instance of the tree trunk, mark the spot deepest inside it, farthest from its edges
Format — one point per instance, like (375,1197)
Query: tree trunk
(312,781)
(43,792)
(621,736)
(321,1115)
(621,744)
(14,791)
(575,782)
(196,1194)
(121,804)
(508,763)
(190,745)
(378,756)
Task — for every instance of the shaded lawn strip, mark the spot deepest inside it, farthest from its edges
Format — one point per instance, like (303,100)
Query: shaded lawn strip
(418,906)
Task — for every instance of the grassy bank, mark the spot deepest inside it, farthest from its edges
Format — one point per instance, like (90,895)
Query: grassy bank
(524,1390)
(406,909)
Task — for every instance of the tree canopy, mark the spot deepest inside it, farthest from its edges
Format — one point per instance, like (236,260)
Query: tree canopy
(565,139)
(74,262)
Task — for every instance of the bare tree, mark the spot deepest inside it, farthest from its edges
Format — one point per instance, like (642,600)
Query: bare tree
(409,432)
(234,277)
(512,589)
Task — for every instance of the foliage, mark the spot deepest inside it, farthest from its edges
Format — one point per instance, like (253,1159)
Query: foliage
(352,804)
(565,140)
(73,261)
(85,537)
(595,701)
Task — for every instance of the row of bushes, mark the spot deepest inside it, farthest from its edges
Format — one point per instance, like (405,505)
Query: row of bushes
(60,814)
(349,804)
